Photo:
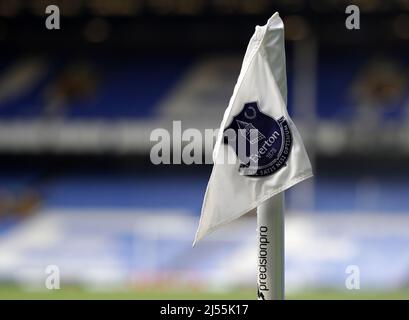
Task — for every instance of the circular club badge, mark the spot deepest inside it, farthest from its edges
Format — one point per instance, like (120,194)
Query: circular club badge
(262,144)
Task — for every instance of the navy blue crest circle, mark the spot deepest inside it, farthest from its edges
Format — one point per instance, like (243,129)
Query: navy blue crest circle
(267,141)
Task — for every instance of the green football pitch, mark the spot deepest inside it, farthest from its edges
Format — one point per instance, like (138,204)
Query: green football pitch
(73,292)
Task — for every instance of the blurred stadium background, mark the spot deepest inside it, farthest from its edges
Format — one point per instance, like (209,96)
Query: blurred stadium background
(77,188)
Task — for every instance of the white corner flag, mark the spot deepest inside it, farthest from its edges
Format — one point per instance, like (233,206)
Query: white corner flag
(257,114)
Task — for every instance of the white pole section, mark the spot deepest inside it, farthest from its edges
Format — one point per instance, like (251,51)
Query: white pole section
(270,249)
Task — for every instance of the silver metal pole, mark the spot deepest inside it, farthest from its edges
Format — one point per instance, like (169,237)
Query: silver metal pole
(270,251)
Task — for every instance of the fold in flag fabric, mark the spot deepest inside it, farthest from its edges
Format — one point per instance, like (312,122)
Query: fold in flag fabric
(274,158)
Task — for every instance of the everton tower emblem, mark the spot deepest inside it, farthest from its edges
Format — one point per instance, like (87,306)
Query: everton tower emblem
(266,142)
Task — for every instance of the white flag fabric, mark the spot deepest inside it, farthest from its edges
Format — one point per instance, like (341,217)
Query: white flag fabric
(258,104)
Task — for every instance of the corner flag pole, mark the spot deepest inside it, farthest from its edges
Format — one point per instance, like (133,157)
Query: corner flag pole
(270,249)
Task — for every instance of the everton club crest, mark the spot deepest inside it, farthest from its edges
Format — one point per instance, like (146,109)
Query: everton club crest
(266,142)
